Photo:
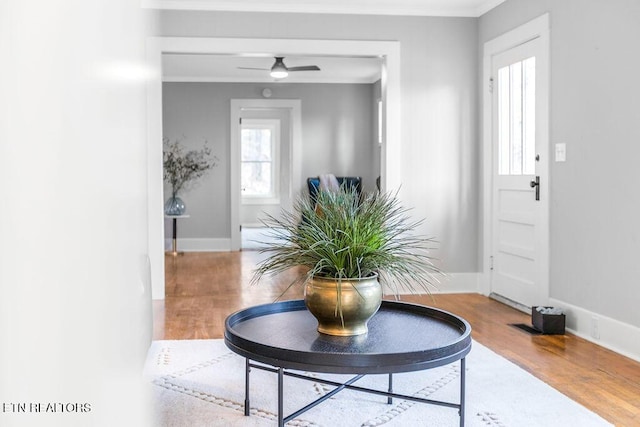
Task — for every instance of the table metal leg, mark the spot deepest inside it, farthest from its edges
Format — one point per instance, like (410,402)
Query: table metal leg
(247,372)
(462,389)
(174,241)
(282,420)
(280,397)
(175,234)
(339,388)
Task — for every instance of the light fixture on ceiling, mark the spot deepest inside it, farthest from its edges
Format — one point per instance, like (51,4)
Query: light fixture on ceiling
(279,71)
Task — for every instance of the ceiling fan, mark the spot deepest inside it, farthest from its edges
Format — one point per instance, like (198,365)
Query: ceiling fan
(280,71)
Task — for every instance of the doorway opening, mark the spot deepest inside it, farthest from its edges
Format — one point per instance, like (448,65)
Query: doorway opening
(388,51)
(272,126)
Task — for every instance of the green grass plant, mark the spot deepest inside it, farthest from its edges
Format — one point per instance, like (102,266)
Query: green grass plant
(345,235)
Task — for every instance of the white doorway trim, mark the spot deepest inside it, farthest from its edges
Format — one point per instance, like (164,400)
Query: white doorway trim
(535,29)
(389,51)
(293,106)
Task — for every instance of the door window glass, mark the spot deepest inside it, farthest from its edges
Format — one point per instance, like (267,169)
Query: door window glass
(516,118)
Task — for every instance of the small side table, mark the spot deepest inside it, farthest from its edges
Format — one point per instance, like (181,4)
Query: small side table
(174,243)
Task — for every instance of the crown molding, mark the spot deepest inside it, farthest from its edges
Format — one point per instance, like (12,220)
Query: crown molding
(487,5)
(379,7)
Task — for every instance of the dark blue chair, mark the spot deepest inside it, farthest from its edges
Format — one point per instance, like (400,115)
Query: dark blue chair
(349,182)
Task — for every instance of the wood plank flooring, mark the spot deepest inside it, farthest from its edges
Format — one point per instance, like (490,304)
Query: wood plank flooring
(203,288)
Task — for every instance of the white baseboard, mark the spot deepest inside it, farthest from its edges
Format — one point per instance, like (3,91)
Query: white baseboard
(458,283)
(199,245)
(455,283)
(609,333)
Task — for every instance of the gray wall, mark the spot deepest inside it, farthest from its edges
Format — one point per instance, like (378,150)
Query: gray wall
(337,137)
(192,114)
(439,106)
(595,110)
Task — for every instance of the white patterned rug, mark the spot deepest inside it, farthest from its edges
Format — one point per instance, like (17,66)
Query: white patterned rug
(201,383)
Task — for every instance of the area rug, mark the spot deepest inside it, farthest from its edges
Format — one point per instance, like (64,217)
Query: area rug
(201,383)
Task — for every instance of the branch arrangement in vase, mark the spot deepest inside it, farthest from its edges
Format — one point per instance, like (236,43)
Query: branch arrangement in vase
(182,167)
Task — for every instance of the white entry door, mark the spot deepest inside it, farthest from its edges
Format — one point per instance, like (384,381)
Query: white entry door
(519,174)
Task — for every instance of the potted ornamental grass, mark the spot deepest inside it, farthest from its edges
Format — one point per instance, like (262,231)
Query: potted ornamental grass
(352,249)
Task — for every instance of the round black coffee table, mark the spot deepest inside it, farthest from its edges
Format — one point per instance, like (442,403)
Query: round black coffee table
(402,338)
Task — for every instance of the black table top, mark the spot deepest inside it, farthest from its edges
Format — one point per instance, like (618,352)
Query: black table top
(402,337)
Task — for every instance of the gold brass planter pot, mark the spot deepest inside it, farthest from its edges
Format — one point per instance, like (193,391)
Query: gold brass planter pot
(345,313)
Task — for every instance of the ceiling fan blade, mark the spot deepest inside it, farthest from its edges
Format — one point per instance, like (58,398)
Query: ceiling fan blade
(304,68)
(250,68)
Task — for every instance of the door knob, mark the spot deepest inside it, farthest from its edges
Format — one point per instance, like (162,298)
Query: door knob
(536,184)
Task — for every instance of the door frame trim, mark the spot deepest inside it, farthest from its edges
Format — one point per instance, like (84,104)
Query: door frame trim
(537,28)
(391,153)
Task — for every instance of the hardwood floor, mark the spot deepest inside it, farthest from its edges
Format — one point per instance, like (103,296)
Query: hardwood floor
(202,289)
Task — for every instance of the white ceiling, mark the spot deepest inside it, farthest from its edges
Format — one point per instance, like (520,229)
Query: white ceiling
(224,68)
(472,8)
